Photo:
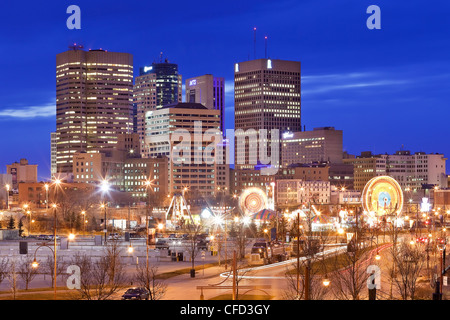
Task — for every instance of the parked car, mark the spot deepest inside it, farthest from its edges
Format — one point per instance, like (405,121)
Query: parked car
(422,239)
(138,293)
(43,237)
(161,244)
(114,236)
(260,248)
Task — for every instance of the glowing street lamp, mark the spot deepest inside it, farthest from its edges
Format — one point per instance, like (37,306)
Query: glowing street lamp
(7,187)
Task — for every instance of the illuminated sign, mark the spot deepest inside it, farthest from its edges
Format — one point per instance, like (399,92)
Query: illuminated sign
(148,68)
(288,135)
(269,64)
(236,67)
(425,205)
(193,82)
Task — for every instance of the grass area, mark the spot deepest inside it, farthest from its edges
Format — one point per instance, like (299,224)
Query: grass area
(41,294)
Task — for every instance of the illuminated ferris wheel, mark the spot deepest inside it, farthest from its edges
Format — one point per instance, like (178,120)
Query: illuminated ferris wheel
(383,196)
(252,200)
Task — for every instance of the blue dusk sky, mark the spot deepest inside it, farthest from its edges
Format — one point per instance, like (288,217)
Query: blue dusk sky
(384,88)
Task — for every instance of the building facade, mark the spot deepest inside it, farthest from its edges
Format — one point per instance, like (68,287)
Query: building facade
(294,192)
(412,171)
(93,102)
(21,171)
(187,166)
(267,95)
(319,145)
(156,86)
(208,91)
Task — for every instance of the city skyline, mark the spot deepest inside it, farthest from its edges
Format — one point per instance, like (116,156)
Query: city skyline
(384,88)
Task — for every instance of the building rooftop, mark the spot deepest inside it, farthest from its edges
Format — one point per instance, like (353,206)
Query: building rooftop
(184,105)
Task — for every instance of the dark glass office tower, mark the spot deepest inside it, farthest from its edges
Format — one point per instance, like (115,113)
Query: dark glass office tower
(156,86)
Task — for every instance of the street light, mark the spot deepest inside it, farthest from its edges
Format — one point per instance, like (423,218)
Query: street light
(83,213)
(35,264)
(7,187)
(103,206)
(46,186)
(147,186)
(441,248)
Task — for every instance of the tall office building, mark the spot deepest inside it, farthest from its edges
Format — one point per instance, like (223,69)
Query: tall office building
(319,145)
(266,96)
(156,86)
(53,144)
(93,102)
(209,91)
(188,168)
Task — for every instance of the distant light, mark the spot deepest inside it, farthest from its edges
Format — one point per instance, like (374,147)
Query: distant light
(71,236)
(288,135)
(206,214)
(148,68)
(104,186)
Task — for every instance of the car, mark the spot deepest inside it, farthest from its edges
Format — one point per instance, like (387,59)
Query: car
(113,236)
(202,245)
(422,240)
(260,248)
(43,237)
(161,244)
(137,293)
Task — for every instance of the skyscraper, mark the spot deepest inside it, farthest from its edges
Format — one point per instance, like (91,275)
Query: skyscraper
(187,165)
(93,102)
(209,91)
(156,86)
(266,96)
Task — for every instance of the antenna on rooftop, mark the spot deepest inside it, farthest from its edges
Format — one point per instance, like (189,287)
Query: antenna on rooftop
(265,44)
(75,46)
(254,43)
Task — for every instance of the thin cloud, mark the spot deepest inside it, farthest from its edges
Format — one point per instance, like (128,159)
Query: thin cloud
(47,110)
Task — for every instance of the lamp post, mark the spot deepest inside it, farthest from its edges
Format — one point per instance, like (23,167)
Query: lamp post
(35,264)
(46,186)
(54,246)
(28,213)
(104,189)
(441,247)
(147,186)
(103,206)
(7,187)
(83,213)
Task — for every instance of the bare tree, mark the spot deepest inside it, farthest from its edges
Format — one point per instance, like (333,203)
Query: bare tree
(49,267)
(4,267)
(156,288)
(350,268)
(409,262)
(26,271)
(193,230)
(103,278)
(12,277)
(350,275)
